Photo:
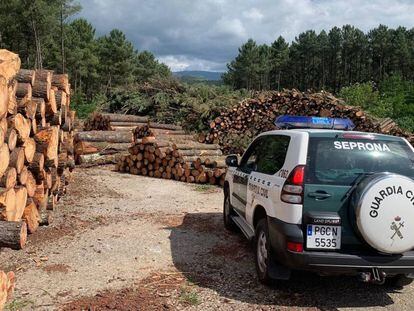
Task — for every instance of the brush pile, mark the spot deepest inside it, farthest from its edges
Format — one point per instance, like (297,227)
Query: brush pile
(36,147)
(237,126)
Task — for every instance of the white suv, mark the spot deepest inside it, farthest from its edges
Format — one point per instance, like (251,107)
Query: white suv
(325,200)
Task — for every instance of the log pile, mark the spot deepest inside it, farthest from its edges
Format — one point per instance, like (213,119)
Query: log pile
(141,132)
(105,147)
(162,159)
(36,146)
(97,122)
(141,147)
(237,126)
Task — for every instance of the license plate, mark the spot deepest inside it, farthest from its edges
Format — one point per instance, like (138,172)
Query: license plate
(323,237)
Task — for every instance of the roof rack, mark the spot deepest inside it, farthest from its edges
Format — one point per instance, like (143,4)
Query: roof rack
(306,122)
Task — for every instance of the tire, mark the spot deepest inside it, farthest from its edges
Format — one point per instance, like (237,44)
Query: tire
(263,255)
(227,212)
(384,220)
(399,280)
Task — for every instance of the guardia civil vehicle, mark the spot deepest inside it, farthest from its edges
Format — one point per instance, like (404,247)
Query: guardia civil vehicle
(315,195)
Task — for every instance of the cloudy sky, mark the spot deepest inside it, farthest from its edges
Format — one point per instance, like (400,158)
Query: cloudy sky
(205,34)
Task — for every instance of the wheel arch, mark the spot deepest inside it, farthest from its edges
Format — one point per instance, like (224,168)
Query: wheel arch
(258,214)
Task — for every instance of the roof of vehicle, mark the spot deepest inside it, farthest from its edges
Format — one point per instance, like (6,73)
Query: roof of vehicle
(321,132)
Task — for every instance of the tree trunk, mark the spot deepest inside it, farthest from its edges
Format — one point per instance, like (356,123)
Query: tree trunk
(11,139)
(152,125)
(47,142)
(13,234)
(113,117)
(9,178)
(97,159)
(4,97)
(26,76)
(51,107)
(29,149)
(4,159)
(9,64)
(7,202)
(41,89)
(104,136)
(17,159)
(31,216)
(24,90)
(21,200)
(61,82)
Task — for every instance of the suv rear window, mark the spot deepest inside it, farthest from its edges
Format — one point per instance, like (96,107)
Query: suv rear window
(339,161)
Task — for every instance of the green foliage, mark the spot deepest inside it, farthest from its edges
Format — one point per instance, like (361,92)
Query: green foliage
(325,60)
(394,98)
(205,188)
(128,102)
(169,101)
(84,106)
(44,35)
(189,296)
(18,304)
(360,94)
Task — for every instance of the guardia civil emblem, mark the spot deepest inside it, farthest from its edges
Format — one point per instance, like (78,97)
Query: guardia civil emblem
(396,226)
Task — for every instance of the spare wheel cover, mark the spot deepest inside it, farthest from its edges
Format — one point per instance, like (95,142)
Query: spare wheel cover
(385,213)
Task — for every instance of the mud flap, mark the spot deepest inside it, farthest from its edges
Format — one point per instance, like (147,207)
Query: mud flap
(278,272)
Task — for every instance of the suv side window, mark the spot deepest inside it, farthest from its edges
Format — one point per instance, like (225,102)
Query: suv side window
(248,163)
(266,155)
(272,154)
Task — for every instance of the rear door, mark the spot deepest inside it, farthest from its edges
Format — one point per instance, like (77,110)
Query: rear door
(333,165)
(272,156)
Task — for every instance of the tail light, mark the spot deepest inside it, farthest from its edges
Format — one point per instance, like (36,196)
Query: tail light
(292,191)
(294,247)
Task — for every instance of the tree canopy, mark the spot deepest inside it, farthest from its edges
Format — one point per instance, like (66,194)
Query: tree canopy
(45,35)
(324,60)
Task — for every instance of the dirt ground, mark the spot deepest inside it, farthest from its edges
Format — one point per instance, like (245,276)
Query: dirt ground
(124,242)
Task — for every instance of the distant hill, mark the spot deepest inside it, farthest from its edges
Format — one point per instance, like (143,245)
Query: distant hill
(199,75)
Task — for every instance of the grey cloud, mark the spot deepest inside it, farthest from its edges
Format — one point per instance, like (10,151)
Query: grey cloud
(205,34)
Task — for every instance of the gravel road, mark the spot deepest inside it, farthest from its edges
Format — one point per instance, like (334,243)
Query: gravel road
(124,242)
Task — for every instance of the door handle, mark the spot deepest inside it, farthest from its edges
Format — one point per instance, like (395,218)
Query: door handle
(319,195)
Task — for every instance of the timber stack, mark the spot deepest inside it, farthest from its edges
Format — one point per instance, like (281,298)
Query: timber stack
(237,126)
(98,147)
(36,147)
(160,157)
(97,122)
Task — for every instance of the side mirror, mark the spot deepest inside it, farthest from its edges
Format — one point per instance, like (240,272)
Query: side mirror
(232,161)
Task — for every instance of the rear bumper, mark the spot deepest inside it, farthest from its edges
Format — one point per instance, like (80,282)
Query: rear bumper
(331,262)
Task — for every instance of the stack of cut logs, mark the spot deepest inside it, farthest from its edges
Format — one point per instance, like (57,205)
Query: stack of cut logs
(182,162)
(97,122)
(139,146)
(141,132)
(36,147)
(234,128)
(105,147)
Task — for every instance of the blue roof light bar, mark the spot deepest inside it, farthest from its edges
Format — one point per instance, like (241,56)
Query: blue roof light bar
(305,122)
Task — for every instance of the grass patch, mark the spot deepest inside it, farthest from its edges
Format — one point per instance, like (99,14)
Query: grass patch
(189,297)
(205,188)
(17,304)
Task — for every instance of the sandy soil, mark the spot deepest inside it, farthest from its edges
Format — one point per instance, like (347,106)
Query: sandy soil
(123,242)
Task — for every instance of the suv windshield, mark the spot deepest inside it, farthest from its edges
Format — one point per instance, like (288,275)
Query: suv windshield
(339,161)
